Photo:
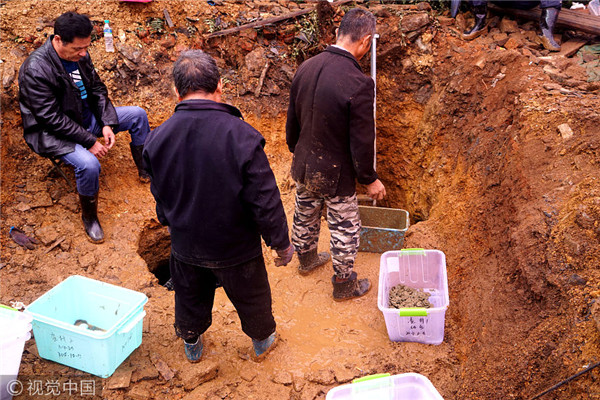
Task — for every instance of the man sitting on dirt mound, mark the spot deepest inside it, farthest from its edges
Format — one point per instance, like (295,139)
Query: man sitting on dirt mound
(331,131)
(65,108)
(216,192)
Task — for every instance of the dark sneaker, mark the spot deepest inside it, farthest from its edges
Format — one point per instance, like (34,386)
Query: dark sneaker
(169,284)
(263,347)
(193,351)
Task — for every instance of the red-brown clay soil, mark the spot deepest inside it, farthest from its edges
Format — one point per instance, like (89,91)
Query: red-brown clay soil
(467,143)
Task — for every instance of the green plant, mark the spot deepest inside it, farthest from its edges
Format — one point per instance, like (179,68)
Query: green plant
(192,30)
(156,25)
(308,35)
(211,24)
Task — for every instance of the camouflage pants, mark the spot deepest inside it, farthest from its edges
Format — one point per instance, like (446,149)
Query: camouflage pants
(343,221)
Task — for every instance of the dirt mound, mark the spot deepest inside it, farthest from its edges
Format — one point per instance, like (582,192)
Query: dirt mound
(468,142)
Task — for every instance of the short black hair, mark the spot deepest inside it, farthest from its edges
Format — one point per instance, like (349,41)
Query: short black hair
(357,23)
(71,25)
(195,71)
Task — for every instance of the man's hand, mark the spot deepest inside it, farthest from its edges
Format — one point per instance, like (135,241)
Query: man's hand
(284,256)
(109,137)
(99,150)
(376,190)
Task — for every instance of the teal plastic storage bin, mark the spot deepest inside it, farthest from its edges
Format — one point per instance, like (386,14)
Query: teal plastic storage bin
(383,229)
(87,324)
(408,386)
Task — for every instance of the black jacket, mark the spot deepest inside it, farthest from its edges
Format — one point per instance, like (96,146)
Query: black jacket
(213,186)
(51,103)
(330,126)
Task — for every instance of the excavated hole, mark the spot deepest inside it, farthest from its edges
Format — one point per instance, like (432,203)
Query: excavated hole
(154,246)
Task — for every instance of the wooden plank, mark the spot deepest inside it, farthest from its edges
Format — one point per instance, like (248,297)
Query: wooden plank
(571,47)
(566,18)
(268,21)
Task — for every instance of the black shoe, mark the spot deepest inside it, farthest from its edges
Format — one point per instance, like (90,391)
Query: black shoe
(349,288)
(136,153)
(480,23)
(169,285)
(547,22)
(89,216)
(311,261)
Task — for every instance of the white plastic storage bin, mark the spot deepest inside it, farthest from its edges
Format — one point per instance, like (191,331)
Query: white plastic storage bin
(421,269)
(385,387)
(113,318)
(14,332)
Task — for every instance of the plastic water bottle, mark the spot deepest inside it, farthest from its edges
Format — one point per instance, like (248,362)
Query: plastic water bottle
(108,38)
(594,7)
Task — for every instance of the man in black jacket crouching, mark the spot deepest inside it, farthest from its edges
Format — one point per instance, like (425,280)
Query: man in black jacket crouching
(216,192)
(65,108)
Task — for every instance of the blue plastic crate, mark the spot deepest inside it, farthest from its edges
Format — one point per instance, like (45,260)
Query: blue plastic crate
(113,324)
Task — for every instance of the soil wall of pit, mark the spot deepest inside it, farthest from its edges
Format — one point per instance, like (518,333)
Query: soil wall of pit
(469,145)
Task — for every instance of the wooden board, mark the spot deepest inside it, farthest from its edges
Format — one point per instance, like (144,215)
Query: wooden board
(571,47)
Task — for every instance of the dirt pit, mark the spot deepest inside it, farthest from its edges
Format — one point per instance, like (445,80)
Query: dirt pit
(468,143)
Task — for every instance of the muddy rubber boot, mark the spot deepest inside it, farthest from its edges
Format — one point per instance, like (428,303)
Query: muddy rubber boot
(193,351)
(89,216)
(136,153)
(349,288)
(547,22)
(311,261)
(480,23)
(263,347)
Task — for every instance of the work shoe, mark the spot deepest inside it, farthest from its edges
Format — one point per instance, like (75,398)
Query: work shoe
(349,288)
(480,23)
(263,347)
(547,22)
(169,284)
(136,153)
(311,261)
(193,351)
(89,216)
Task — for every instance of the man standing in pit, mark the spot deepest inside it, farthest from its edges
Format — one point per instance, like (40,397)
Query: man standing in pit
(331,131)
(65,108)
(216,192)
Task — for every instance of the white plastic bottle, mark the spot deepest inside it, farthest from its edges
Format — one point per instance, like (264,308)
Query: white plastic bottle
(108,38)
(594,7)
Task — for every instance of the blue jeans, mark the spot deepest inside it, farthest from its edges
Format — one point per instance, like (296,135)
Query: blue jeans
(87,167)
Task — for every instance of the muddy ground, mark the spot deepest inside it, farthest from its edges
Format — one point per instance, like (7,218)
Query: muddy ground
(468,142)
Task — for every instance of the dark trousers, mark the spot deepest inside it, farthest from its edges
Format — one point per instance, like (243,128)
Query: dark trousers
(246,285)
(524,5)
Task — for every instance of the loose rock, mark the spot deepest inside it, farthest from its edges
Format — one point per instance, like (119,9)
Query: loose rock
(322,377)
(47,235)
(200,373)
(413,22)
(283,378)
(508,26)
(565,131)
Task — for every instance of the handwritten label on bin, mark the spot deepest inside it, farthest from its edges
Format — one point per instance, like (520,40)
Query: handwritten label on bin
(417,326)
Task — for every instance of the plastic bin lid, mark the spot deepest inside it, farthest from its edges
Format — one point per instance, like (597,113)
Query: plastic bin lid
(14,324)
